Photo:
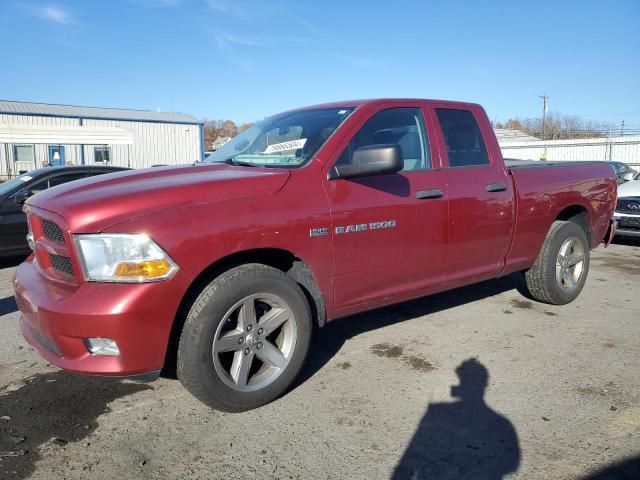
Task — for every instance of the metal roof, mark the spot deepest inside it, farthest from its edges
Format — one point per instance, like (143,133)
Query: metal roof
(55,110)
(64,134)
(506,135)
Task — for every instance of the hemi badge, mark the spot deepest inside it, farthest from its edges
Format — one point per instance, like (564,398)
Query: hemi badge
(318,232)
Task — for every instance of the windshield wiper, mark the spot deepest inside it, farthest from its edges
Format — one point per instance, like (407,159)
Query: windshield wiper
(238,163)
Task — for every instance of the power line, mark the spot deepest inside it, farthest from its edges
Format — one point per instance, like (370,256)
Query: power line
(609,114)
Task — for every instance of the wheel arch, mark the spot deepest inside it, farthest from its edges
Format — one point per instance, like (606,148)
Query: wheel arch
(277,258)
(579,215)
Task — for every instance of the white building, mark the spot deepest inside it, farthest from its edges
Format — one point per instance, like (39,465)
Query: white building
(218,143)
(33,135)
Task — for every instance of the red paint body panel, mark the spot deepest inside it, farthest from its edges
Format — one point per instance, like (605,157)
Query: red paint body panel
(202,214)
(479,221)
(135,316)
(94,206)
(542,193)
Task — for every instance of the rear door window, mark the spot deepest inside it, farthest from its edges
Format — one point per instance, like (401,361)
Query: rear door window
(462,135)
(54,181)
(60,179)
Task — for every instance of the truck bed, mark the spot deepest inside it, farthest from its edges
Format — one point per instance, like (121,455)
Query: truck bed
(513,163)
(544,189)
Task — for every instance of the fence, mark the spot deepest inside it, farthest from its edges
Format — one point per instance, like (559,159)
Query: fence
(624,149)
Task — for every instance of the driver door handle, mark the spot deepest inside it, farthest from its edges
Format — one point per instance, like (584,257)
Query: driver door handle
(427,194)
(497,187)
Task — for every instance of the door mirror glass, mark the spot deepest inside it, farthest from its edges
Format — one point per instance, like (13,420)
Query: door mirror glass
(369,161)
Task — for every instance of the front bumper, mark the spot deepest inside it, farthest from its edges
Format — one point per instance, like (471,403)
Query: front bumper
(624,230)
(57,318)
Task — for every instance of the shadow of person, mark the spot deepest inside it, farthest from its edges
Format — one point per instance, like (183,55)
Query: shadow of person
(462,439)
(627,469)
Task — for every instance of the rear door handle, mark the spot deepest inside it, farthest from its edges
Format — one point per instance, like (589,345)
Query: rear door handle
(497,187)
(426,194)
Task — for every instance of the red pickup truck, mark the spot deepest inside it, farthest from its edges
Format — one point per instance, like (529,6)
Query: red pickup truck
(225,266)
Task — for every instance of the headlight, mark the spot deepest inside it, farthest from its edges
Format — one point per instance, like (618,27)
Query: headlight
(131,258)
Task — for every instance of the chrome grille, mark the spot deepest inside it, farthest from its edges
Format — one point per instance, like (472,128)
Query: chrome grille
(52,231)
(61,263)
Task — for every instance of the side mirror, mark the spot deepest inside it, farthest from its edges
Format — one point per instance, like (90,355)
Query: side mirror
(22,195)
(369,161)
(627,177)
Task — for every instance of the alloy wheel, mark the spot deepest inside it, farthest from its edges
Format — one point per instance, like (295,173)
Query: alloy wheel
(254,342)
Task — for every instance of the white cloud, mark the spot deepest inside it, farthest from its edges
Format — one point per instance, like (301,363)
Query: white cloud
(157,3)
(54,13)
(225,40)
(310,26)
(240,11)
(218,5)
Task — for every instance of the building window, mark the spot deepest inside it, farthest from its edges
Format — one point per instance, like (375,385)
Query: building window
(102,154)
(24,153)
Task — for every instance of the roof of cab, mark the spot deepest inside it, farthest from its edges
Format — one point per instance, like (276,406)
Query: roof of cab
(377,101)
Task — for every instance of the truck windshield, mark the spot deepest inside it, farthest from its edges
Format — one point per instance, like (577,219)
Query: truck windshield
(285,140)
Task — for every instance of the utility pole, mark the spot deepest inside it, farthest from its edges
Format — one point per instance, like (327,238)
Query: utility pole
(622,128)
(544,116)
(544,113)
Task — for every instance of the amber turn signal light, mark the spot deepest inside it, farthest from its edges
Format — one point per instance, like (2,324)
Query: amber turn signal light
(145,268)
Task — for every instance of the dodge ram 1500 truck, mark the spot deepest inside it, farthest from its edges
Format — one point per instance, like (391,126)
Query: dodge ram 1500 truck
(224,267)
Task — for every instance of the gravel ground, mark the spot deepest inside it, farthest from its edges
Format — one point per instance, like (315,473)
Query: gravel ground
(375,400)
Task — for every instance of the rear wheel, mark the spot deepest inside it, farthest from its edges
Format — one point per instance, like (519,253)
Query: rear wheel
(560,271)
(244,339)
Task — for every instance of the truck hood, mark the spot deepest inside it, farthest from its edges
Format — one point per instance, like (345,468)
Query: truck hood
(94,204)
(629,189)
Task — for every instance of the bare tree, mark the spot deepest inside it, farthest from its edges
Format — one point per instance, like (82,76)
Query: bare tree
(214,129)
(557,127)
(228,128)
(211,131)
(244,126)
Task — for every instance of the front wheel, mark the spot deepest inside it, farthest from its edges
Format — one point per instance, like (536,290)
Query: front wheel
(245,338)
(560,271)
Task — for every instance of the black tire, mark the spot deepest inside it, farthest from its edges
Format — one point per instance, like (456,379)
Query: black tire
(541,279)
(195,364)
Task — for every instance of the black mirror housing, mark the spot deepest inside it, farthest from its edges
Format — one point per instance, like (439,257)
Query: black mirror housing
(371,160)
(21,196)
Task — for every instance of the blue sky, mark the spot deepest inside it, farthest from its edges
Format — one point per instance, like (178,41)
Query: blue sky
(247,59)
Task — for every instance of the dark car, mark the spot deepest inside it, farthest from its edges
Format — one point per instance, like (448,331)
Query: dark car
(13,222)
(624,172)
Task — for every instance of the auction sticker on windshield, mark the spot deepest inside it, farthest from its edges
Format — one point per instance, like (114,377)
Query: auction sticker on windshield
(285,146)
